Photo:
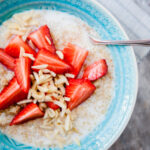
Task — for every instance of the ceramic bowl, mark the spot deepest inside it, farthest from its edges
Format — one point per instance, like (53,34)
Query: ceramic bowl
(125,91)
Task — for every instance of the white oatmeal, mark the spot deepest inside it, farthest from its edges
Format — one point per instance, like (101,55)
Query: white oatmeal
(64,28)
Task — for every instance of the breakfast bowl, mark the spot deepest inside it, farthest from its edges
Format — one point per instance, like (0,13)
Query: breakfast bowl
(116,108)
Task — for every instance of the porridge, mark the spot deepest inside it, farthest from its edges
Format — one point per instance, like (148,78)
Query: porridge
(61,124)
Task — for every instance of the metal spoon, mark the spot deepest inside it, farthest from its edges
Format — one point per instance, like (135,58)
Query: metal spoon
(121,42)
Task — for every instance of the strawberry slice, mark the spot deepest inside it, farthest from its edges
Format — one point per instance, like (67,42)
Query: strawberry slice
(52,105)
(13,48)
(11,94)
(7,60)
(31,111)
(42,39)
(22,73)
(54,63)
(78,90)
(97,70)
(75,56)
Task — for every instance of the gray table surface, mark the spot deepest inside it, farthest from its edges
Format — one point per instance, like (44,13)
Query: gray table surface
(134,16)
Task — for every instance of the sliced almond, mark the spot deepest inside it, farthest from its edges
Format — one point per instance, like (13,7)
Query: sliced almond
(25,101)
(36,76)
(60,54)
(61,80)
(69,75)
(67,99)
(44,66)
(67,123)
(29,94)
(22,51)
(29,56)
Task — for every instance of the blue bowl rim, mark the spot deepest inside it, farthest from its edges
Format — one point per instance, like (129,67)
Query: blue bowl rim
(136,75)
(126,119)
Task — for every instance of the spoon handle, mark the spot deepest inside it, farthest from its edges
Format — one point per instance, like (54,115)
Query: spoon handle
(126,42)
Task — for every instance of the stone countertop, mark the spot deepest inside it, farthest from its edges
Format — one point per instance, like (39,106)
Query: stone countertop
(134,16)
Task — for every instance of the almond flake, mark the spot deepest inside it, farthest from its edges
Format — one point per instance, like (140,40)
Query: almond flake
(49,113)
(40,66)
(22,51)
(24,102)
(29,94)
(51,89)
(67,99)
(38,95)
(67,123)
(44,78)
(62,105)
(40,73)
(61,80)
(36,76)
(48,98)
(29,56)
(60,54)
(46,71)
(53,73)
(42,89)
(69,75)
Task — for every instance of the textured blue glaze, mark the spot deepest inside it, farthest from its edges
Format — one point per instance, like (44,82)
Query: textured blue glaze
(125,89)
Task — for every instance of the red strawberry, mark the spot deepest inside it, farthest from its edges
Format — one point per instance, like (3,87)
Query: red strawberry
(11,94)
(78,90)
(52,105)
(31,111)
(54,63)
(42,39)
(75,56)
(13,48)
(7,60)
(22,72)
(96,70)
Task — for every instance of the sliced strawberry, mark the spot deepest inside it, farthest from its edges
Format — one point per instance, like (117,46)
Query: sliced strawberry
(13,48)
(75,56)
(54,63)
(11,94)
(42,39)
(31,111)
(7,60)
(97,70)
(52,105)
(78,90)
(22,72)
